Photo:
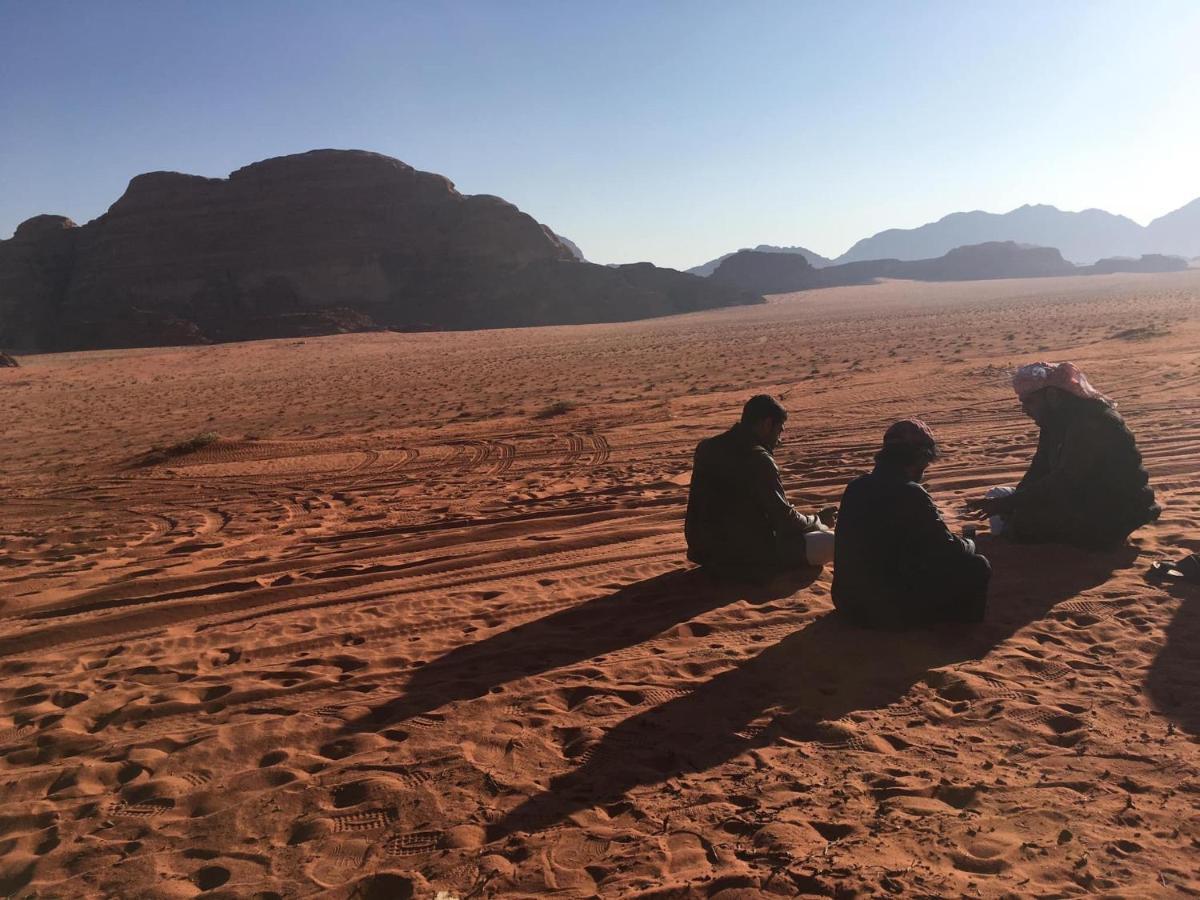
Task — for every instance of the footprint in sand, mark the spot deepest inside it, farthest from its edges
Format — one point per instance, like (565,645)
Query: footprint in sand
(414,843)
(1056,719)
(366,820)
(144,810)
(985,854)
(209,878)
(337,861)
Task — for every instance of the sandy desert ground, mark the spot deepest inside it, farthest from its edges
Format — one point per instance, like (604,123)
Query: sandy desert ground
(393,633)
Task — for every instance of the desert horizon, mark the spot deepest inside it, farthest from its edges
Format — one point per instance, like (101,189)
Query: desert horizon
(389,615)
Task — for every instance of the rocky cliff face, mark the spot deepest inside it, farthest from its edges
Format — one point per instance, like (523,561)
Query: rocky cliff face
(35,265)
(315,243)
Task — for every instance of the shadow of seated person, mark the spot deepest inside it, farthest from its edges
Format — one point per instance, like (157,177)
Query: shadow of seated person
(1174,680)
(624,618)
(824,671)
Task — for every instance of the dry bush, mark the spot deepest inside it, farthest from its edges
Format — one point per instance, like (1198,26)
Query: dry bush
(557,408)
(156,455)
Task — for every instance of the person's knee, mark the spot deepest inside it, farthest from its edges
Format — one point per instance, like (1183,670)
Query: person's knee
(818,548)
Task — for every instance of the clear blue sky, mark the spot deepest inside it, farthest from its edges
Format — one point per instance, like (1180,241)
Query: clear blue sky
(659,131)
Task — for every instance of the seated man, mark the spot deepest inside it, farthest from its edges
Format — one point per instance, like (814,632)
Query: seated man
(896,563)
(1086,484)
(738,519)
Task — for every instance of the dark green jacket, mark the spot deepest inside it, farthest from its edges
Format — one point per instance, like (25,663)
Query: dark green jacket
(737,513)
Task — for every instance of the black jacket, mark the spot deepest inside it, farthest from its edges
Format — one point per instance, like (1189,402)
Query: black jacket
(1086,483)
(893,554)
(737,514)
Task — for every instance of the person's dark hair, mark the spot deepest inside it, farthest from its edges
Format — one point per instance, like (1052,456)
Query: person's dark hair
(763,406)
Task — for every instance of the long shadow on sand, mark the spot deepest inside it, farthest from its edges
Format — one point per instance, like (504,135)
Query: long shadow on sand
(613,622)
(1174,680)
(820,673)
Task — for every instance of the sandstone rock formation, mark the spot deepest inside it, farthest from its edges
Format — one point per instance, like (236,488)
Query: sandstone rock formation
(1148,262)
(34,267)
(766,272)
(814,259)
(315,243)
(992,259)
(572,246)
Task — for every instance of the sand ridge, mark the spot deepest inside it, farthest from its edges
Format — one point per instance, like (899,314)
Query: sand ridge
(395,629)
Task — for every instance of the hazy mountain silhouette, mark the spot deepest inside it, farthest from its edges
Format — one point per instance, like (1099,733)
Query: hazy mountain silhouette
(1149,262)
(1177,233)
(815,259)
(772,273)
(1083,237)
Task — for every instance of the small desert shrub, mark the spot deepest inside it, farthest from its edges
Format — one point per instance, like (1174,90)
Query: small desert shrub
(557,408)
(157,455)
(1144,333)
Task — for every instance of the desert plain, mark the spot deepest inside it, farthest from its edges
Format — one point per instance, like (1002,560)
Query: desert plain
(390,615)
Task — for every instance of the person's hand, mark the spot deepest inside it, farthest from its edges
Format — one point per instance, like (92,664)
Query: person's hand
(828,516)
(981,508)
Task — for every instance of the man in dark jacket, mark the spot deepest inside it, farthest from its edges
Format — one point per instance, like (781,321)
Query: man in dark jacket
(1086,484)
(896,563)
(738,518)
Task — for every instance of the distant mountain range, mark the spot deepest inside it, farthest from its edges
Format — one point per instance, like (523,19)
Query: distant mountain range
(779,273)
(1082,237)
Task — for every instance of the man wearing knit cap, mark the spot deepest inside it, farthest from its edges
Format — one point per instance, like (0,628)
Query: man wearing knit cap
(896,564)
(1086,484)
(739,521)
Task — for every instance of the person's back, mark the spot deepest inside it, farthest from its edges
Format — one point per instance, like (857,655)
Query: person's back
(1086,483)
(738,518)
(871,559)
(895,561)
(723,522)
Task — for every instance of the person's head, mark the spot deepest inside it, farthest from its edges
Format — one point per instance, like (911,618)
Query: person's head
(764,416)
(1042,406)
(1046,389)
(909,444)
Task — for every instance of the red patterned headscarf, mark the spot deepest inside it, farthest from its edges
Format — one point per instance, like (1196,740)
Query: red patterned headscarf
(912,433)
(1065,376)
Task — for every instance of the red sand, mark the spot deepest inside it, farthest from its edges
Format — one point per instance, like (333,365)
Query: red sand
(392,632)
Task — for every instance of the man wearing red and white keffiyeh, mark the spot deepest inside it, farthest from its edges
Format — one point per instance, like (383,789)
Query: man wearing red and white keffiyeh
(1086,484)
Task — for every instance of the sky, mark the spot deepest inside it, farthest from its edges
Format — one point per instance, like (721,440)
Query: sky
(664,131)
